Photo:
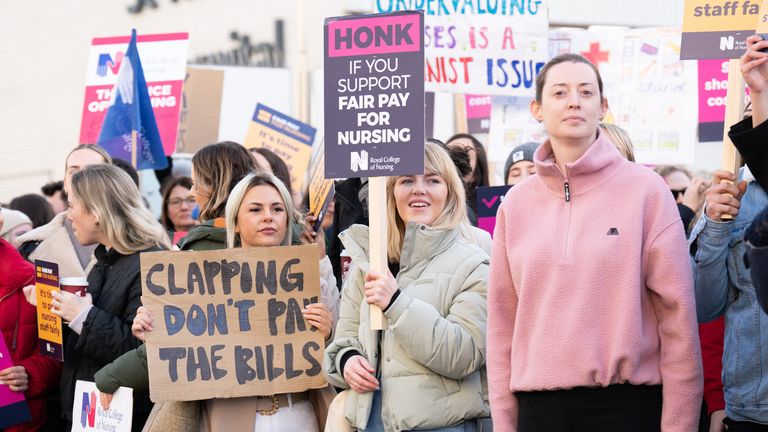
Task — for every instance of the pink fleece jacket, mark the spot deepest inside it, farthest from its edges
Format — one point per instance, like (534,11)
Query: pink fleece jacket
(590,285)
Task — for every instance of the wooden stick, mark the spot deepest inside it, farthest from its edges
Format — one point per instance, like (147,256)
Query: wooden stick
(734,111)
(377,219)
(460,113)
(134,144)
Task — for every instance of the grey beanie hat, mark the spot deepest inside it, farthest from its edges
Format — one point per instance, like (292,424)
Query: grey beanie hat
(523,152)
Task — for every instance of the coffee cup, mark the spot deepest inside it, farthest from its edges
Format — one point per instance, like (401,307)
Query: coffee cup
(74,285)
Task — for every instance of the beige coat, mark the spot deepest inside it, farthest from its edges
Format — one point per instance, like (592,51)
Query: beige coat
(56,247)
(432,352)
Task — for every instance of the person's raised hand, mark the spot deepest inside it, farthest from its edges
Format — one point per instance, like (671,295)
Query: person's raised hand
(723,197)
(142,323)
(753,64)
(318,315)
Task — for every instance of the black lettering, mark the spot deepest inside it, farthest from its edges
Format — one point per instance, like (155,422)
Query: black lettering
(172,288)
(172,355)
(211,269)
(229,269)
(291,281)
(260,365)
(383,36)
(242,313)
(359,33)
(401,34)
(289,371)
(697,11)
(217,318)
(174,319)
(309,301)
(316,367)
(246,280)
(196,321)
(218,373)
(243,372)
(275,308)
(195,277)
(346,38)
(202,365)
(294,318)
(272,371)
(266,279)
(152,287)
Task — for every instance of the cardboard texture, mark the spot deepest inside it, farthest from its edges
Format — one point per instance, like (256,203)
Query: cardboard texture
(200,109)
(228,323)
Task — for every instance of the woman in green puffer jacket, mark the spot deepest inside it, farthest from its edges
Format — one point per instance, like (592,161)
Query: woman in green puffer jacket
(426,369)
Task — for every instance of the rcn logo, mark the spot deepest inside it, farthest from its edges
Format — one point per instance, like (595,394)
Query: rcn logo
(106,63)
(726,43)
(358,161)
(88,412)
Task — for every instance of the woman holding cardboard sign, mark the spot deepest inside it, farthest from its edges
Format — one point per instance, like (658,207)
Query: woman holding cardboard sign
(591,314)
(426,370)
(101,320)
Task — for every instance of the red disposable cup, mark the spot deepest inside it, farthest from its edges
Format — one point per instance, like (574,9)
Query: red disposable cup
(74,285)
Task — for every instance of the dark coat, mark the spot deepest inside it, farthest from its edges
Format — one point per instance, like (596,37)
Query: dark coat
(115,285)
(209,235)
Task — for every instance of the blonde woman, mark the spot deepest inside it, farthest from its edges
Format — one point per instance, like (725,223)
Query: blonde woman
(426,370)
(100,322)
(620,139)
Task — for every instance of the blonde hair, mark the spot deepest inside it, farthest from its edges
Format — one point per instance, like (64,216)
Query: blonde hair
(620,138)
(109,193)
(237,195)
(92,147)
(436,161)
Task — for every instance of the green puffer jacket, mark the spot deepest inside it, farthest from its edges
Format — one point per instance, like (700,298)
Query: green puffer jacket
(204,237)
(431,362)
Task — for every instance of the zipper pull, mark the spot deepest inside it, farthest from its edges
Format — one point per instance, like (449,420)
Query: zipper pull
(567,189)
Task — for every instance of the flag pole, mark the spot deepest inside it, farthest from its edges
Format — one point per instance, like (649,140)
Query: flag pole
(134,138)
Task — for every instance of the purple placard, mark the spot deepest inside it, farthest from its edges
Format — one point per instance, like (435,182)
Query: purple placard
(374,95)
(13,407)
(489,199)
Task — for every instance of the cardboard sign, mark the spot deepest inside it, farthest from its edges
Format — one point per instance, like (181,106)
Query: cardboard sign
(717,29)
(285,136)
(200,109)
(489,198)
(88,415)
(481,47)
(321,190)
(229,323)
(374,95)
(13,407)
(49,329)
(164,60)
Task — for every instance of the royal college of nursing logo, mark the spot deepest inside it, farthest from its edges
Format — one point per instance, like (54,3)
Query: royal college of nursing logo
(358,161)
(106,63)
(88,412)
(726,43)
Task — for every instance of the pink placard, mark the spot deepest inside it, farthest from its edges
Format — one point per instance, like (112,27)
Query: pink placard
(713,85)
(478,106)
(7,396)
(377,35)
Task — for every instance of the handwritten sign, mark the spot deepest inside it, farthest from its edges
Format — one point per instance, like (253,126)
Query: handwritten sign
(88,415)
(48,324)
(285,136)
(230,323)
(374,95)
(482,47)
(13,407)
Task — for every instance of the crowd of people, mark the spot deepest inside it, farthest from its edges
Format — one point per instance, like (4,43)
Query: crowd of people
(611,297)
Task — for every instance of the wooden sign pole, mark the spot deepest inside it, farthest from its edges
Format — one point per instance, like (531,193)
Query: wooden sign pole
(734,111)
(460,113)
(377,219)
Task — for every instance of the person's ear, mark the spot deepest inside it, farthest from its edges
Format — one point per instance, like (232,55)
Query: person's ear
(603,108)
(535,108)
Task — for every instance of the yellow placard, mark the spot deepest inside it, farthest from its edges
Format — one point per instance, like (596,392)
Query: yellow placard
(719,15)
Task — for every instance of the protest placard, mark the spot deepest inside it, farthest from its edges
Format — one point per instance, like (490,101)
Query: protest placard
(284,135)
(164,59)
(374,110)
(88,415)
(478,110)
(49,328)
(13,406)
(200,110)
(489,198)
(482,47)
(321,190)
(717,29)
(229,323)
(713,83)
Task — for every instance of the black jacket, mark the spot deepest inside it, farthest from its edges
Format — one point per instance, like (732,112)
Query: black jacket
(753,146)
(115,285)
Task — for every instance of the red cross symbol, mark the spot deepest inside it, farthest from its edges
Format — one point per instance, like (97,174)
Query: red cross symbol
(595,55)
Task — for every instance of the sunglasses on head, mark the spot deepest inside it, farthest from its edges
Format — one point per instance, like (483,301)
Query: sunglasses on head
(678,192)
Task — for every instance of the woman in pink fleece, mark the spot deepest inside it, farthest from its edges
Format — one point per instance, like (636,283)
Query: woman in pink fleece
(591,314)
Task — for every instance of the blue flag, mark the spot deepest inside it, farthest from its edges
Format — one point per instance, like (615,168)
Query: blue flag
(130,117)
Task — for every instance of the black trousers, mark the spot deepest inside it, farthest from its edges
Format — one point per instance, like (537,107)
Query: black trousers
(620,407)
(739,426)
